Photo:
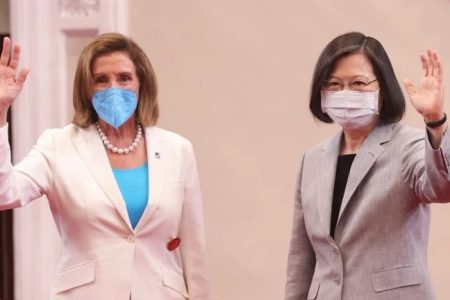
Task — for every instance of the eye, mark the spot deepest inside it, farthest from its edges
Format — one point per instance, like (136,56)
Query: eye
(333,85)
(124,77)
(359,83)
(100,79)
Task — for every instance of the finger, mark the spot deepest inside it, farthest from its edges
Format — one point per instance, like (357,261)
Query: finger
(22,76)
(439,70)
(4,58)
(15,57)
(423,59)
(431,62)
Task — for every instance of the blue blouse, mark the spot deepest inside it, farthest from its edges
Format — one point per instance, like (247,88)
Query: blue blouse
(134,186)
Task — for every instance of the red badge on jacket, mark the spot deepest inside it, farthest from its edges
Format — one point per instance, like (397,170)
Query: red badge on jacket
(173,244)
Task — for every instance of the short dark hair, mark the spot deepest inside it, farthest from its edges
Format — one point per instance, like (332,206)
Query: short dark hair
(393,105)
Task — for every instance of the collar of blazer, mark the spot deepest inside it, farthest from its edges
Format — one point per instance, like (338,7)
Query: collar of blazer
(368,153)
(92,152)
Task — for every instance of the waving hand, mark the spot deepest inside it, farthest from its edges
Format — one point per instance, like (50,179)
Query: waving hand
(428,98)
(11,83)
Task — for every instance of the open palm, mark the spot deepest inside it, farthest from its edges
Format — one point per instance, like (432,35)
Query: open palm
(10,83)
(428,98)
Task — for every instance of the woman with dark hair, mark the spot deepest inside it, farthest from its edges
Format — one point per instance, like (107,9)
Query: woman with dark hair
(361,214)
(124,194)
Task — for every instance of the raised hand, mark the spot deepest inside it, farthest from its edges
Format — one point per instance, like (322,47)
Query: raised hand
(428,98)
(10,83)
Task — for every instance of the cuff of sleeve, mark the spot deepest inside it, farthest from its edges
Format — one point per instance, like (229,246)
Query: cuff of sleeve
(440,155)
(4,127)
(4,130)
(4,143)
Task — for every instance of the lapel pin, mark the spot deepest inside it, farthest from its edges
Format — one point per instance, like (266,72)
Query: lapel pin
(157,155)
(173,244)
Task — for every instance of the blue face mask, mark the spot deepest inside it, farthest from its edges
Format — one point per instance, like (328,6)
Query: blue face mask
(114,105)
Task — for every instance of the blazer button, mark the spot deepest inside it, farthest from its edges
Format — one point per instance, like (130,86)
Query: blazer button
(130,239)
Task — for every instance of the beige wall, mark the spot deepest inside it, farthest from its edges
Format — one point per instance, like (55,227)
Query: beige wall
(234,78)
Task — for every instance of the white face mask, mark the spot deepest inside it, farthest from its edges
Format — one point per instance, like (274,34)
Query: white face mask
(350,109)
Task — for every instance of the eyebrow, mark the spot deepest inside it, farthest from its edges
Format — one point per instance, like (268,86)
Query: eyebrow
(120,73)
(353,77)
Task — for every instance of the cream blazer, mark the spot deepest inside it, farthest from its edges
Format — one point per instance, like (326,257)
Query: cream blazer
(102,256)
(379,251)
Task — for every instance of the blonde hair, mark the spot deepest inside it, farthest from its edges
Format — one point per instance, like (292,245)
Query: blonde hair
(147,109)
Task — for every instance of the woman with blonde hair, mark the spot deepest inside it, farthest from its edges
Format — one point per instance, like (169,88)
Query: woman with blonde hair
(124,194)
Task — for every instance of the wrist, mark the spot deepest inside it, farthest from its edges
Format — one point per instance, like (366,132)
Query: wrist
(3,114)
(435,121)
(3,118)
(435,135)
(433,117)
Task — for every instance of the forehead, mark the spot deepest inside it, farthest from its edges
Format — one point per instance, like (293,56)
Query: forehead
(113,62)
(352,65)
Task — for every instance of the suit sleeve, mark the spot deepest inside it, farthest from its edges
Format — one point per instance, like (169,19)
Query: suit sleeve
(301,257)
(29,179)
(426,170)
(192,234)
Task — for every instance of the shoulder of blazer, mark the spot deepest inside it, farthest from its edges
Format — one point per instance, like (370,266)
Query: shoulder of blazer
(158,135)
(154,132)
(326,145)
(50,137)
(72,132)
(405,132)
(67,131)
(379,135)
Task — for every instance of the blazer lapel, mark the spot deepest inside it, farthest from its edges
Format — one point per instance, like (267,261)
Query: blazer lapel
(157,160)
(91,149)
(327,171)
(370,150)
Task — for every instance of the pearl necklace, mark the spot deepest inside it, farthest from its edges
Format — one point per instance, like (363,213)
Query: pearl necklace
(115,149)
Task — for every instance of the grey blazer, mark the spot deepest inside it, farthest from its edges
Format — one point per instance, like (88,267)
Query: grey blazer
(380,245)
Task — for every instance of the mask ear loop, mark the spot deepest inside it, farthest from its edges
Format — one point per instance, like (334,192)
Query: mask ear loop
(137,114)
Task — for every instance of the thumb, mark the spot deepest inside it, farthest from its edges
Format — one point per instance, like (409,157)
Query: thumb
(22,75)
(410,89)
